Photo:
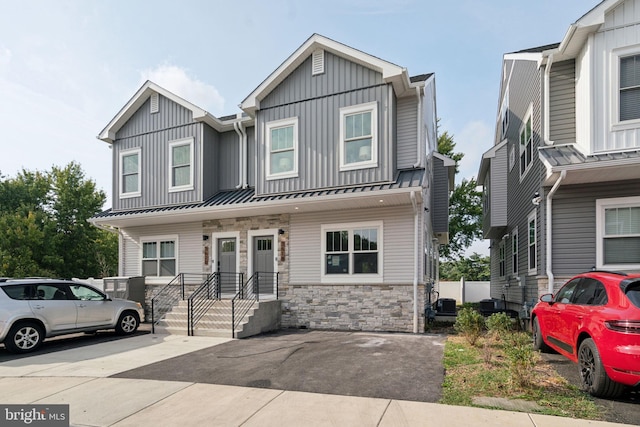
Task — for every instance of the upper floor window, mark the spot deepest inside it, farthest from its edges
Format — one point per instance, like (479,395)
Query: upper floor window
(526,145)
(630,87)
(130,173)
(532,243)
(282,148)
(359,136)
(504,114)
(352,252)
(181,165)
(618,233)
(159,256)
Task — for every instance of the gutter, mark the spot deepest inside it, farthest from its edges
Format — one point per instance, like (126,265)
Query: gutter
(550,277)
(237,126)
(414,203)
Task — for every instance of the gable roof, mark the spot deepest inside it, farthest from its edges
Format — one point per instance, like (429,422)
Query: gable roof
(108,134)
(391,73)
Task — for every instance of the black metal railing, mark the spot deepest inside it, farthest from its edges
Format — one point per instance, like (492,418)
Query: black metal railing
(212,290)
(169,295)
(249,294)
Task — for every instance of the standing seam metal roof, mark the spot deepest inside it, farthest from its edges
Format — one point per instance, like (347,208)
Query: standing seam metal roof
(567,155)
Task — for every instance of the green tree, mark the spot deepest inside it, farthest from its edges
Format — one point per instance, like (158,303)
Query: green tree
(474,268)
(465,207)
(44,229)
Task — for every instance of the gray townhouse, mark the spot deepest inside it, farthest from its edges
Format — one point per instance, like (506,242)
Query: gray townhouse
(562,180)
(324,195)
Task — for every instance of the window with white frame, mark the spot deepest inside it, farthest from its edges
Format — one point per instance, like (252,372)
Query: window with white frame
(282,148)
(526,145)
(130,173)
(618,233)
(531,243)
(501,259)
(159,256)
(514,251)
(629,108)
(181,165)
(352,251)
(359,136)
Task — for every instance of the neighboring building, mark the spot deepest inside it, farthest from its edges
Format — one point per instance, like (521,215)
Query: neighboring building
(562,181)
(329,177)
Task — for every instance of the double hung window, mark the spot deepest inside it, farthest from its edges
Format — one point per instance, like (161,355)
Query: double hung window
(630,87)
(359,136)
(282,148)
(130,173)
(159,257)
(618,233)
(181,165)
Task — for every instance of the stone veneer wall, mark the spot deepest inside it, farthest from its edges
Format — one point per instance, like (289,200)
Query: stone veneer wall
(370,307)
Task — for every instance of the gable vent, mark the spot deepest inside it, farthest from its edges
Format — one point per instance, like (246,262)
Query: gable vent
(154,103)
(317,60)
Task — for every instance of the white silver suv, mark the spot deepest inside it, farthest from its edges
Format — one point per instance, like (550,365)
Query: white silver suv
(34,309)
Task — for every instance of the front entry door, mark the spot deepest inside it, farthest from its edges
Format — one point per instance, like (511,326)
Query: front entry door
(263,263)
(227,266)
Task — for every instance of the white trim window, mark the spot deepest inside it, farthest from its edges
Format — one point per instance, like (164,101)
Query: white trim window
(352,252)
(532,245)
(130,173)
(526,144)
(618,233)
(282,148)
(181,165)
(514,251)
(159,256)
(359,136)
(629,100)
(504,114)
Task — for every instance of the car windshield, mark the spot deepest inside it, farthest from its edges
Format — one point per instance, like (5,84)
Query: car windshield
(633,293)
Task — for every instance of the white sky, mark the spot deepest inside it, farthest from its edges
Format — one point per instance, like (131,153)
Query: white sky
(68,66)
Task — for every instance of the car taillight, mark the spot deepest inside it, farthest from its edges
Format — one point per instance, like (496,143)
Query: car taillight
(627,326)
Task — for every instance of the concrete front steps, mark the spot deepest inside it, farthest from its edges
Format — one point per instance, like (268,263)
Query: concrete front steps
(217,322)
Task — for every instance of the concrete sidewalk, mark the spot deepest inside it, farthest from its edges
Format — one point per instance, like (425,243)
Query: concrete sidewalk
(79,377)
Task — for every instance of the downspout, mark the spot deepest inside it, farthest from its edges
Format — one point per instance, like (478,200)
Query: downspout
(546,96)
(550,277)
(236,127)
(245,154)
(419,130)
(414,203)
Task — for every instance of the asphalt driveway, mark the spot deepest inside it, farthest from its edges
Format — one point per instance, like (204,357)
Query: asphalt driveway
(391,366)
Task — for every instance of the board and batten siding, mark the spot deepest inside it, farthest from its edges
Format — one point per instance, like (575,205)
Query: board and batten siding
(562,102)
(305,242)
(318,147)
(189,247)
(227,164)
(407,132)
(440,197)
(210,153)
(152,136)
(574,223)
(596,120)
(340,75)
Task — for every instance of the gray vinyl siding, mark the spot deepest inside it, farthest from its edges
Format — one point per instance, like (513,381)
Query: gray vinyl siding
(210,153)
(152,133)
(305,257)
(562,102)
(574,223)
(340,75)
(189,247)
(227,163)
(440,195)
(318,136)
(499,188)
(251,152)
(407,130)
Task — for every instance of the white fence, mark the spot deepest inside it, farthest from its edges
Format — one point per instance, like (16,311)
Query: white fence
(463,291)
(96,283)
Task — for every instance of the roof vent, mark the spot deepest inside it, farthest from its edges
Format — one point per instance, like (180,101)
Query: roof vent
(317,60)
(154,103)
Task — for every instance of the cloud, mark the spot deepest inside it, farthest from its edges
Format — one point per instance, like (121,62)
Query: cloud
(177,80)
(5,56)
(473,140)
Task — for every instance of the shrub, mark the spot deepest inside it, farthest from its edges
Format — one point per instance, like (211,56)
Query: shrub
(521,358)
(470,324)
(499,323)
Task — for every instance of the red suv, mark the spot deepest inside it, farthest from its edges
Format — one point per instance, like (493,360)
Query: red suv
(594,320)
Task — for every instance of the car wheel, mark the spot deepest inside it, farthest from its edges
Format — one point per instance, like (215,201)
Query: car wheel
(127,323)
(592,374)
(24,337)
(538,342)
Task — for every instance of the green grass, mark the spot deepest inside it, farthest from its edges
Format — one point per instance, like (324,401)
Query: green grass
(485,370)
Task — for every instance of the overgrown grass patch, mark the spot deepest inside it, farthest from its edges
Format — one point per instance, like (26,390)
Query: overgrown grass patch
(487,369)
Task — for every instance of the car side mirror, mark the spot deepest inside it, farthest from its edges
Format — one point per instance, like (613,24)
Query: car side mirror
(547,298)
